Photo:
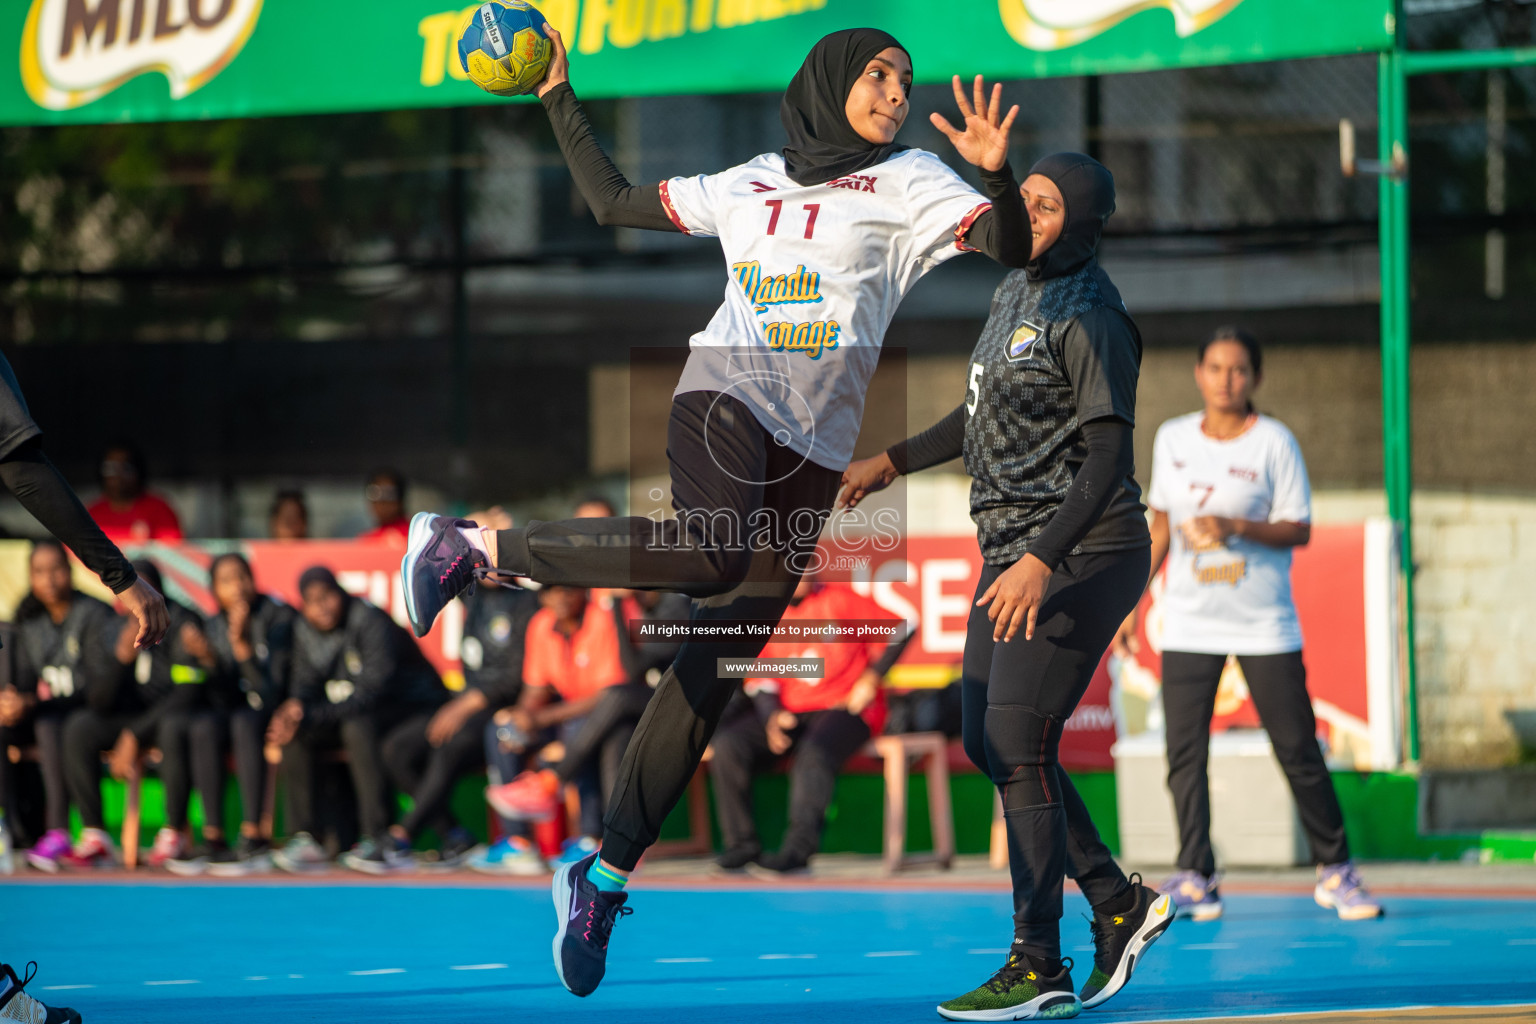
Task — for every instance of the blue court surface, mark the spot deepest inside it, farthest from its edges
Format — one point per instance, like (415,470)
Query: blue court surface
(269,951)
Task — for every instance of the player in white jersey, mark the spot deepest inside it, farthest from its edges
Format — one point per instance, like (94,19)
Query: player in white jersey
(1230,500)
(822,240)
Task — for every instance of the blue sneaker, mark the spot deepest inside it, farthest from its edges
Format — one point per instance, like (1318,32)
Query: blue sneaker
(438,566)
(573,850)
(510,855)
(586,916)
(1195,894)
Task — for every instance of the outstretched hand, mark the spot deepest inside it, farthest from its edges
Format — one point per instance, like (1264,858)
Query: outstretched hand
(984,139)
(559,64)
(864,478)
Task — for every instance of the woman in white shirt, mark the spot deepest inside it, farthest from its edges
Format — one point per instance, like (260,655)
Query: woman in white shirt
(1230,499)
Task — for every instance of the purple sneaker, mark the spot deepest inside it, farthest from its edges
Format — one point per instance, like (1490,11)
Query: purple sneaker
(50,850)
(1195,894)
(438,566)
(1339,887)
(586,915)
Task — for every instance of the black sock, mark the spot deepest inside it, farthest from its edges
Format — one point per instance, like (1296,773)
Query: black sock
(1122,903)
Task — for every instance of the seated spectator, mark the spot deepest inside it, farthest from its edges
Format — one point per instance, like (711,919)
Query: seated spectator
(252,642)
(823,722)
(125,511)
(606,729)
(571,656)
(385,494)
(289,517)
(426,763)
(174,714)
(356,675)
(64,640)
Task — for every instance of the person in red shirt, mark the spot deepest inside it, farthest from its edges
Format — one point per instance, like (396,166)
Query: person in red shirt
(125,511)
(385,493)
(571,658)
(822,722)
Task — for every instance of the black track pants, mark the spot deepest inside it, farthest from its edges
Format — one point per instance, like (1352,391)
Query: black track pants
(822,742)
(86,735)
(429,773)
(731,483)
(1017,695)
(247,741)
(192,754)
(1278,683)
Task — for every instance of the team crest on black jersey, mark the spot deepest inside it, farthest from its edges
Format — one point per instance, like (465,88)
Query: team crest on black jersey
(1021,339)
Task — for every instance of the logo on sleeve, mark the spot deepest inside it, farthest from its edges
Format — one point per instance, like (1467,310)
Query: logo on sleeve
(1022,339)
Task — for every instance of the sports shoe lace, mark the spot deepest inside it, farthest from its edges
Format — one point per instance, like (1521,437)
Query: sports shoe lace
(1350,882)
(1013,971)
(601,919)
(19,984)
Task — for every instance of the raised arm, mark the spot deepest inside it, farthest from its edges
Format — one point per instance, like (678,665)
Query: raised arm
(613,199)
(1003,231)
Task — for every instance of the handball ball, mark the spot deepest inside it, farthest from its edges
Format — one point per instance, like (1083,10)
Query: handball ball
(502,47)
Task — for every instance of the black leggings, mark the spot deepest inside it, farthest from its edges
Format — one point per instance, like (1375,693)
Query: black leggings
(821,742)
(86,734)
(192,753)
(247,740)
(1278,683)
(730,480)
(428,773)
(46,729)
(361,738)
(604,734)
(1017,695)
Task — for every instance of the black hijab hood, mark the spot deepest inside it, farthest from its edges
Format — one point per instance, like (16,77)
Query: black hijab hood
(1088,192)
(822,144)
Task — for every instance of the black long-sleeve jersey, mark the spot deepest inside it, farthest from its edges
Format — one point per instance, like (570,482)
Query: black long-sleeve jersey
(72,662)
(261,681)
(492,649)
(167,677)
(365,662)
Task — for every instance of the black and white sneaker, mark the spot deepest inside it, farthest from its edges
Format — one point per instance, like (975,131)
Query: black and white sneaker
(250,856)
(586,916)
(381,856)
(1120,941)
(301,854)
(438,566)
(458,848)
(16,1005)
(202,858)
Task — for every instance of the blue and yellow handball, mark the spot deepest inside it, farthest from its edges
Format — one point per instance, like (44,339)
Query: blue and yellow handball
(502,47)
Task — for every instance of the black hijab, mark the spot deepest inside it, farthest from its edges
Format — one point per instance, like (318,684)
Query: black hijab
(1088,195)
(822,144)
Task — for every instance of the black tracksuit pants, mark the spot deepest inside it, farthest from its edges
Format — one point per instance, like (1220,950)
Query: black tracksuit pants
(604,735)
(362,738)
(729,477)
(820,743)
(45,728)
(192,754)
(247,740)
(86,734)
(429,773)
(1017,695)
(1278,684)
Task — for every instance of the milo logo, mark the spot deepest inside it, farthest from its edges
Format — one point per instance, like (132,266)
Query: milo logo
(76,51)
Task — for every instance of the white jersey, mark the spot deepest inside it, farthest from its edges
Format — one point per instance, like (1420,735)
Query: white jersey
(1234,598)
(816,275)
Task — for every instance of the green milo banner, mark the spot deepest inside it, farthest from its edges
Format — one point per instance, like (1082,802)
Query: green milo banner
(94,61)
